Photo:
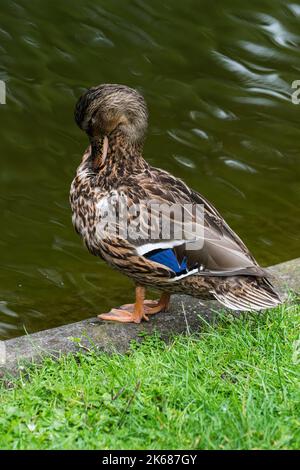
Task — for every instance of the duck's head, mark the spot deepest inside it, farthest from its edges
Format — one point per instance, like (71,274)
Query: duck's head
(102,109)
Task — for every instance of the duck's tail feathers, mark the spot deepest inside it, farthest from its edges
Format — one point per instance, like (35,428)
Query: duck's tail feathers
(248,294)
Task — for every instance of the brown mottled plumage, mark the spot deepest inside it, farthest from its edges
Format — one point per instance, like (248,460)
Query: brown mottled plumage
(115,119)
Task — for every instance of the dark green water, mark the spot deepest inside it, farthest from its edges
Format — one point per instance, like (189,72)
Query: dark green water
(217,77)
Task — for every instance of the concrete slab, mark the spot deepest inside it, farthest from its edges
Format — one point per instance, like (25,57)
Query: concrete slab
(186,315)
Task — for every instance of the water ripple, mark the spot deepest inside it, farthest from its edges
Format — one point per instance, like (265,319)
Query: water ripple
(218,87)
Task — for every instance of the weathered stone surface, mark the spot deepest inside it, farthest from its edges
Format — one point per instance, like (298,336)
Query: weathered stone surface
(186,315)
(287,274)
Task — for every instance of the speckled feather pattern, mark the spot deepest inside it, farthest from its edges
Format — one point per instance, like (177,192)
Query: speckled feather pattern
(120,113)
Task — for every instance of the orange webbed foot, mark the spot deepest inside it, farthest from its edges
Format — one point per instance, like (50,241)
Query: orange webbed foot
(158,306)
(135,313)
(123,316)
(147,304)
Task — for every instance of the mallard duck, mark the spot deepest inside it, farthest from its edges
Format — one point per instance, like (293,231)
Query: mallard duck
(112,170)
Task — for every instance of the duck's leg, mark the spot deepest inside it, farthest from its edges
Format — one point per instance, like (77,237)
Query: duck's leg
(127,316)
(152,306)
(161,305)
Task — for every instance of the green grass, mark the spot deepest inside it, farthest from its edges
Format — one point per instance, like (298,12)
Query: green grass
(234,386)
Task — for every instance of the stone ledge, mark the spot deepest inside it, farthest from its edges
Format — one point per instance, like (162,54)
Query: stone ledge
(185,313)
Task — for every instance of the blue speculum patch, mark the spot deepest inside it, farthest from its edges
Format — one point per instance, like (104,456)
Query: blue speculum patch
(168,258)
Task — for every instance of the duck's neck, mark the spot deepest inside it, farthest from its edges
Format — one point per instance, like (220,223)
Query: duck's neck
(114,155)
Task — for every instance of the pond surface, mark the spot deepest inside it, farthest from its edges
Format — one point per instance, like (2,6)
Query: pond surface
(217,78)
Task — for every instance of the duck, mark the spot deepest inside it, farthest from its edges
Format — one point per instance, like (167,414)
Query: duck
(121,206)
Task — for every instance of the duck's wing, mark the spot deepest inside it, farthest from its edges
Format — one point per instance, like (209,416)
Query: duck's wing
(210,247)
